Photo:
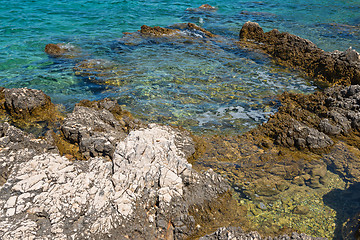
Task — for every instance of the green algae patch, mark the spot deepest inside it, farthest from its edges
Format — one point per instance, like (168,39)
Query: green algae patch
(219,212)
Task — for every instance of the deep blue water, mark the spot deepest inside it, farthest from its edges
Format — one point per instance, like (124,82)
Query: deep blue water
(211,87)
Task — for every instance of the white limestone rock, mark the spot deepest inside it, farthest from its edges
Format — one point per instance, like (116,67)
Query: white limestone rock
(88,198)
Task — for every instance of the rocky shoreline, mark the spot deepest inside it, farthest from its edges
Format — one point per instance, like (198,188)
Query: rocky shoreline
(99,173)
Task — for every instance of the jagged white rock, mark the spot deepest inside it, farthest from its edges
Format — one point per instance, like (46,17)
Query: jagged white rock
(89,197)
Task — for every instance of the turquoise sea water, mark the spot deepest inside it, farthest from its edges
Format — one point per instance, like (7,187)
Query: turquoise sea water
(217,89)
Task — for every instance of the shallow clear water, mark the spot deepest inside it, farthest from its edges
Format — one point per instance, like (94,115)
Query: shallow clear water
(205,88)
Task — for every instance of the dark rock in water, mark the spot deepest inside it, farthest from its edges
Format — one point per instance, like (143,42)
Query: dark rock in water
(62,50)
(238,233)
(207,7)
(182,32)
(199,31)
(293,51)
(251,31)
(305,121)
(157,31)
(175,31)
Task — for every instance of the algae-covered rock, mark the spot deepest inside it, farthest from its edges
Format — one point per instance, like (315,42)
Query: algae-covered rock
(157,31)
(294,51)
(177,33)
(28,108)
(99,71)
(25,103)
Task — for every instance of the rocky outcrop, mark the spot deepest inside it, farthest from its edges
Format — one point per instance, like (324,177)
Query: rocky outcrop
(95,129)
(157,31)
(136,183)
(28,109)
(17,147)
(293,51)
(48,196)
(23,103)
(238,233)
(315,121)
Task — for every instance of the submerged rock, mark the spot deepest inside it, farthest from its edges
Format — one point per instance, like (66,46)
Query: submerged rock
(293,51)
(263,14)
(182,32)
(99,71)
(62,50)
(158,31)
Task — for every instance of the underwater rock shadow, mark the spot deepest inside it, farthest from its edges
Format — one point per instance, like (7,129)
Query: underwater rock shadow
(346,203)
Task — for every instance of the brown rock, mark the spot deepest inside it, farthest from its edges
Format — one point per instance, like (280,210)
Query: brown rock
(293,51)
(251,31)
(302,210)
(61,50)
(204,7)
(157,31)
(28,104)
(207,7)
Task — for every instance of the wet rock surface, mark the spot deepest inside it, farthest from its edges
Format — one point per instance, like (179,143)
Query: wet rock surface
(181,33)
(293,51)
(62,50)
